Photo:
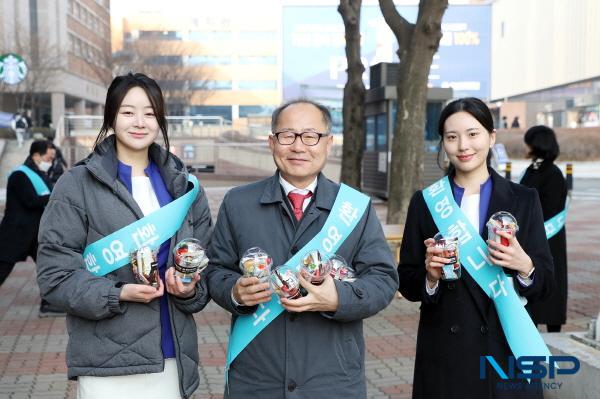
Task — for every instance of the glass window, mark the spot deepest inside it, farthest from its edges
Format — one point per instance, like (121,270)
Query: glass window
(77,47)
(262,110)
(211,85)
(209,35)
(160,35)
(171,84)
(258,35)
(370,133)
(165,60)
(381,121)
(434,109)
(257,85)
(209,60)
(223,111)
(258,60)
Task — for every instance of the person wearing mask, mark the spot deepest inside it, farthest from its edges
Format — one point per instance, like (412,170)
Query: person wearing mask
(127,338)
(27,193)
(547,179)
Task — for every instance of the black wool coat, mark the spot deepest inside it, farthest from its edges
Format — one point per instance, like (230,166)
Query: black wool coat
(459,323)
(24,209)
(551,187)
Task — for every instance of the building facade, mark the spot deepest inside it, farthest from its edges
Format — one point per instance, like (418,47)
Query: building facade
(66,45)
(217,59)
(546,63)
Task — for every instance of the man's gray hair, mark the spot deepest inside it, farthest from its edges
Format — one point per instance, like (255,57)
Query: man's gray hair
(324,112)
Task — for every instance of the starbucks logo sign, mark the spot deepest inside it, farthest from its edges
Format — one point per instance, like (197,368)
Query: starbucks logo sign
(13,69)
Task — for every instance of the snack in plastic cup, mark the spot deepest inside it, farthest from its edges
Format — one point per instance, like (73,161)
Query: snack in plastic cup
(285,283)
(314,267)
(145,266)
(452,270)
(502,222)
(189,258)
(340,269)
(256,262)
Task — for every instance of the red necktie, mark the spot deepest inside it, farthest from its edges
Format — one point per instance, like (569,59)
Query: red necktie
(297,200)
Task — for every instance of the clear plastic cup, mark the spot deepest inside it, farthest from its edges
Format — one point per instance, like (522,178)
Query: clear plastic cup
(189,258)
(285,283)
(502,222)
(314,267)
(340,270)
(145,266)
(452,270)
(256,262)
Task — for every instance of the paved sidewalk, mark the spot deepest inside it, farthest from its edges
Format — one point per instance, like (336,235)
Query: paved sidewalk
(32,359)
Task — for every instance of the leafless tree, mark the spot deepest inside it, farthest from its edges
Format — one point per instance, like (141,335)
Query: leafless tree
(353,110)
(417,43)
(164,61)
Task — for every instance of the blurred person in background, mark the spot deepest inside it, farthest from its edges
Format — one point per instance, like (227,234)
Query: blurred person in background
(59,165)
(27,193)
(543,175)
(19,125)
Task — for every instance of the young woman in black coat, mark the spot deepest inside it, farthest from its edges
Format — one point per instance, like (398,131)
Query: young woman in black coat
(549,182)
(458,322)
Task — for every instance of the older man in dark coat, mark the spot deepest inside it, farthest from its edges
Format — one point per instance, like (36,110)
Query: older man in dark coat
(315,348)
(24,208)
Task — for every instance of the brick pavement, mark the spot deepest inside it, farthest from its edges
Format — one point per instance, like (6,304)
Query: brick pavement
(32,361)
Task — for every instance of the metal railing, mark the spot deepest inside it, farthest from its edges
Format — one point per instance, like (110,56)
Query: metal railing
(203,143)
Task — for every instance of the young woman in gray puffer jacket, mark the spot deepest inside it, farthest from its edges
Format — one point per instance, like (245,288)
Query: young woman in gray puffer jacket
(126,339)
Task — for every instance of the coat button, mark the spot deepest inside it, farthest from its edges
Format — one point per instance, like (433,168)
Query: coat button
(484,329)
(294,250)
(450,286)
(454,329)
(359,293)
(291,386)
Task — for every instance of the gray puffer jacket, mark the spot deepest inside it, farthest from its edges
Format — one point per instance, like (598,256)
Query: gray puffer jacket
(108,337)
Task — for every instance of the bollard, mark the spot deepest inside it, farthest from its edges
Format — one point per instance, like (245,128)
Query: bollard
(569,177)
(508,170)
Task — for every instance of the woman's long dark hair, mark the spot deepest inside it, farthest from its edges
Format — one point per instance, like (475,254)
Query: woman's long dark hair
(474,107)
(117,91)
(542,142)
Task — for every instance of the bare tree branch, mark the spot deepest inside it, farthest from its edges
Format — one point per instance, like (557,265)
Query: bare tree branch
(401,28)
(165,62)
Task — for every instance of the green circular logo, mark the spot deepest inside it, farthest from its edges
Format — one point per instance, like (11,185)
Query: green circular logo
(13,68)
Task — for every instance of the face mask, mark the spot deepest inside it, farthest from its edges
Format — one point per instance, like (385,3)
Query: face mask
(44,166)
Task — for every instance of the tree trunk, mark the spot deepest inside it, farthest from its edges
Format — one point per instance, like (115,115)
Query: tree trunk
(416,53)
(354,96)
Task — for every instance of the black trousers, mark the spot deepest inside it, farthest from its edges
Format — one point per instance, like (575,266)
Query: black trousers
(7,267)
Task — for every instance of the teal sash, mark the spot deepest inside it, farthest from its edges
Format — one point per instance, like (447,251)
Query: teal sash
(348,208)
(38,183)
(522,335)
(112,252)
(556,222)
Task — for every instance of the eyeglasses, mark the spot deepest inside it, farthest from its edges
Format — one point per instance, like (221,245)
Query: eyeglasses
(308,137)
